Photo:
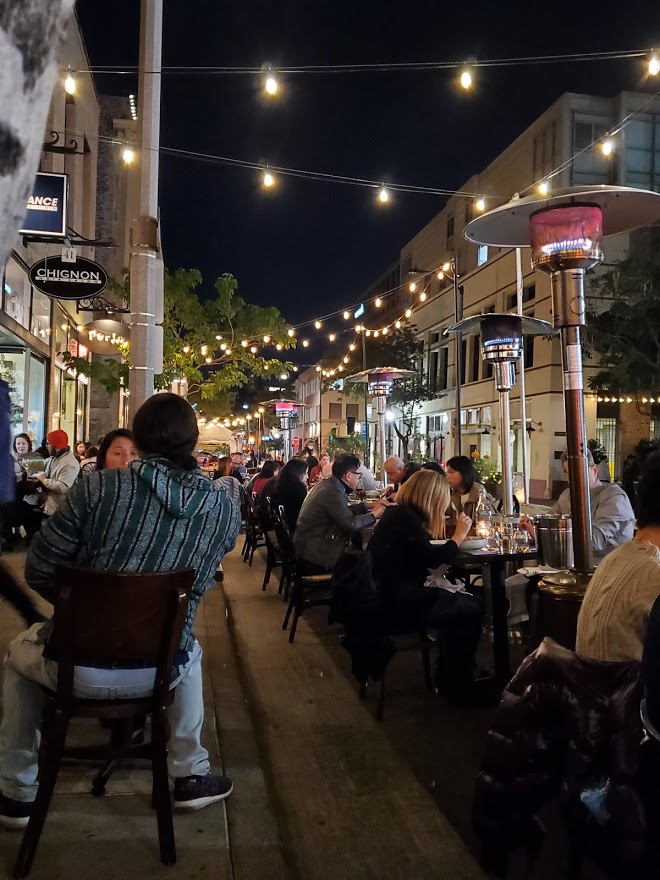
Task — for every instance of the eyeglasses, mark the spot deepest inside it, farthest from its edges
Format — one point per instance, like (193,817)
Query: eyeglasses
(355,473)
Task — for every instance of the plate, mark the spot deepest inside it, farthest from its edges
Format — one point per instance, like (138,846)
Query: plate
(439,541)
(473,544)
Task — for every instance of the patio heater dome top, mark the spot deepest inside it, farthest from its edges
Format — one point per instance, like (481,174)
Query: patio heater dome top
(385,374)
(623,208)
(529,326)
(282,400)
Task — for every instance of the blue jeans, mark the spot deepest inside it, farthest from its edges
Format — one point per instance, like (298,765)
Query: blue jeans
(26,671)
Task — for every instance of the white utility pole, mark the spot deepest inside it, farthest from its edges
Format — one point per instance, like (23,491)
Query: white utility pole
(146,266)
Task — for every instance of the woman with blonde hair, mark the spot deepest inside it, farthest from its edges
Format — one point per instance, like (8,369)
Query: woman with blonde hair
(401,556)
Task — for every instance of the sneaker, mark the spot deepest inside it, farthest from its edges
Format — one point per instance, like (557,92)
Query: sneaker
(14,814)
(197,792)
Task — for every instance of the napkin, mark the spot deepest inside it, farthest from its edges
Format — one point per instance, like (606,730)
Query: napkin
(531,571)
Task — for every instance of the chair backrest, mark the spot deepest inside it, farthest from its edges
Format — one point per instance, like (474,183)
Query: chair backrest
(107,617)
(284,538)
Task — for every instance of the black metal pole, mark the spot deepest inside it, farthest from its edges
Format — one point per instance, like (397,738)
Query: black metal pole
(458,314)
(367,457)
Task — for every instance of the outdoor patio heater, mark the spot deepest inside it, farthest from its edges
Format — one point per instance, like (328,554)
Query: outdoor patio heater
(380,381)
(501,346)
(285,410)
(565,232)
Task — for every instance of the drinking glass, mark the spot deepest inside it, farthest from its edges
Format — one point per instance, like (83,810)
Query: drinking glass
(521,540)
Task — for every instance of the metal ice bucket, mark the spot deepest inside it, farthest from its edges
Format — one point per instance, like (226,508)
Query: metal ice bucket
(554,540)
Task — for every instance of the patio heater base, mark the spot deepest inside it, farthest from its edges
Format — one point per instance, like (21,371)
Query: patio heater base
(558,604)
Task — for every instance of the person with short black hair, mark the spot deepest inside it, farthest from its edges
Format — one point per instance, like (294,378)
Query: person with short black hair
(158,514)
(289,489)
(466,491)
(618,601)
(433,466)
(326,522)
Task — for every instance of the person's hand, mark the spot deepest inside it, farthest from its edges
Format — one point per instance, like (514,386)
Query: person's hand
(463,526)
(41,477)
(378,509)
(528,525)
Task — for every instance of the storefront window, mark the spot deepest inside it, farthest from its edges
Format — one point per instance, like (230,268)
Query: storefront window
(40,324)
(12,371)
(68,410)
(36,399)
(61,330)
(17,294)
(81,408)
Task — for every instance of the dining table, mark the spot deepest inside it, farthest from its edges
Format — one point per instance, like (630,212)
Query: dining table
(493,567)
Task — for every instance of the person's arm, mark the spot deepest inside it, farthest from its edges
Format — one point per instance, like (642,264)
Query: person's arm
(417,543)
(341,514)
(64,481)
(59,541)
(610,518)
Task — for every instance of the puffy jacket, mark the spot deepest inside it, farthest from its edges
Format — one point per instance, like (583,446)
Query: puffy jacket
(564,726)
(612,517)
(62,471)
(326,523)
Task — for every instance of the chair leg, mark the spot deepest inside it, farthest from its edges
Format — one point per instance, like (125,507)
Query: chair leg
(300,605)
(52,747)
(380,708)
(426,663)
(280,587)
(161,790)
(253,547)
(244,551)
(290,606)
(269,569)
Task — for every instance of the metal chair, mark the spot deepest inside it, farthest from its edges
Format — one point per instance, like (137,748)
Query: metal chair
(103,618)
(253,535)
(273,551)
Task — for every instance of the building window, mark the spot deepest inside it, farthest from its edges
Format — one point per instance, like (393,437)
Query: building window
(482,254)
(463,359)
(443,369)
(476,358)
(450,227)
(334,412)
(40,322)
(607,434)
(352,410)
(17,292)
(434,361)
(435,337)
(643,152)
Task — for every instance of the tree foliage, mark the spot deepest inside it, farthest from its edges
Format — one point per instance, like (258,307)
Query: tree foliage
(626,335)
(207,342)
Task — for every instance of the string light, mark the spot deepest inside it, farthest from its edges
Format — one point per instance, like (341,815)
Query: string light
(347,315)
(186,349)
(397,324)
(384,331)
(480,204)
(412,287)
(408,313)
(422,296)
(383,194)
(376,334)
(607,147)
(271,85)
(268,179)
(266,339)
(466,79)
(332,337)
(245,343)
(204,349)
(544,187)
(128,155)
(218,337)
(254,349)
(318,325)
(378,302)
(305,343)
(278,347)
(291,332)
(351,347)
(208,360)
(654,64)
(446,267)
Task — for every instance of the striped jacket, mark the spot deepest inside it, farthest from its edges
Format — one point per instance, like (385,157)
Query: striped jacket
(150,516)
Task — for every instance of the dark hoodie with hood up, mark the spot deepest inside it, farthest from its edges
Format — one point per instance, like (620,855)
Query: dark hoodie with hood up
(150,516)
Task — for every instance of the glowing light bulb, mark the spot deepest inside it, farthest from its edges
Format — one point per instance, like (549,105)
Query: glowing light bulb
(253,349)
(466,79)
(359,328)
(268,179)
(422,296)
(367,332)
(204,349)
(305,343)
(347,315)
(480,205)
(245,343)
(408,313)
(223,347)
(383,194)
(378,302)
(376,334)
(318,370)
(290,332)
(262,410)
(384,331)
(340,368)
(346,359)
(186,349)
(446,267)
(398,325)
(441,275)
(218,337)
(266,339)
(278,347)
(654,65)
(607,147)
(80,328)
(412,287)
(208,360)
(70,84)
(228,351)
(128,155)
(318,325)
(271,85)
(332,337)
(544,187)
(351,347)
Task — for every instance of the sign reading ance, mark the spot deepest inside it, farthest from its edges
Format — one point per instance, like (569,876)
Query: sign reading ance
(47,206)
(79,280)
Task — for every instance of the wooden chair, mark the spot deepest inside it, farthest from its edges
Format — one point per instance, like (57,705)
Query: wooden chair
(253,535)
(103,618)
(273,552)
(302,585)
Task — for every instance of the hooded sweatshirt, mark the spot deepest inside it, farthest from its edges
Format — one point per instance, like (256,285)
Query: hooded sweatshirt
(149,516)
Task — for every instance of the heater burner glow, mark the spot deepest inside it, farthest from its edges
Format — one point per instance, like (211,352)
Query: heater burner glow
(567,235)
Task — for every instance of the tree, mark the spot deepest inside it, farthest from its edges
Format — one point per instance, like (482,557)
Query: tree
(400,348)
(31,34)
(626,336)
(213,344)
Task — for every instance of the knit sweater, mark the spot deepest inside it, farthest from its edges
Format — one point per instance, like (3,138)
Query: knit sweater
(150,516)
(616,607)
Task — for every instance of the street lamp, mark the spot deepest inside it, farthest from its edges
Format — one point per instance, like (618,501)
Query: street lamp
(502,346)
(380,381)
(565,232)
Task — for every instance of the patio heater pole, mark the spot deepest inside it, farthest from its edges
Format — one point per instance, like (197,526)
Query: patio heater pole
(381,406)
(523,399)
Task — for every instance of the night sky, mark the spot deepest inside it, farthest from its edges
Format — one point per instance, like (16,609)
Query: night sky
(311,247)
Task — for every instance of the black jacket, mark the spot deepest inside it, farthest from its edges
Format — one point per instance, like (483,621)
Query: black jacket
(289,495)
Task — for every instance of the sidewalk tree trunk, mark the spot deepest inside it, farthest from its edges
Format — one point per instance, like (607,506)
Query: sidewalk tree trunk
(31,34)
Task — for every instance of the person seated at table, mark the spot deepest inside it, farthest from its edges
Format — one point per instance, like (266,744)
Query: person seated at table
(615,611)
(316,472)
(269,469)
(402,555)
(327,522)
(466,491)
(117,450)
(398,471)
(612,517)
(288,490)
(434,466)
(89,462)
(158,514)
